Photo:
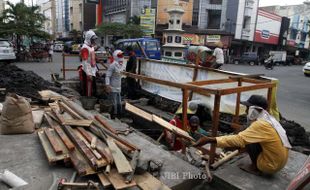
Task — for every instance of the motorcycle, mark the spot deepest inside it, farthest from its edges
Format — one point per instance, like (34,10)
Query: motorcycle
(269,64)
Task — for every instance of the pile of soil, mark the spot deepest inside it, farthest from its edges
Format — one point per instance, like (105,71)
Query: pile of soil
(24,83)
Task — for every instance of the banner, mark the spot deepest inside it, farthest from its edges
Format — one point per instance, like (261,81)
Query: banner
(147,22)
(182,74)
(213,38)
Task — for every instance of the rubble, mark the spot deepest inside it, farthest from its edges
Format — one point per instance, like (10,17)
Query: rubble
(25,83)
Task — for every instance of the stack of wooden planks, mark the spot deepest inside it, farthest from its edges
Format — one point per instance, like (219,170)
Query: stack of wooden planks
(92,146)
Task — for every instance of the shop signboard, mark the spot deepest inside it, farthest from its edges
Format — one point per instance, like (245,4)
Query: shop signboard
(267,28)
(147,21)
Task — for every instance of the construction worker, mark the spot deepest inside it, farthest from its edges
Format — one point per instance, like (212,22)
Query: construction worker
(195,130)
(88,68)
(265,139)
(114,82)
(173,142)
(131,67)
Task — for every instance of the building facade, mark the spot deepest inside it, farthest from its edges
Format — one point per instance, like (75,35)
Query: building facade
(48,9)
(76,16)
(297,35)
(62,18)
(121,11)
(2,4)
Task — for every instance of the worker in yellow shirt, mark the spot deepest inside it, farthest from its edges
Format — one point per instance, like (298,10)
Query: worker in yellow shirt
(265,139)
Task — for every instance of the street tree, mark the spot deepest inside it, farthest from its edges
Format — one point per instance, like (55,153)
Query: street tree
(20,20)
(120,29)
(75,35)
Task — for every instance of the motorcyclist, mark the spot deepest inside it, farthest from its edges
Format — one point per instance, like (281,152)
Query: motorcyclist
(269,62)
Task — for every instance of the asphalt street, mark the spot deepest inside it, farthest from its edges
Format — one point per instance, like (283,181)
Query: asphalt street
(293,95)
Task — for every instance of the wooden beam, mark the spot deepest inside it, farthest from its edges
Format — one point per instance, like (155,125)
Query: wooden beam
(208,82)
(105,124)
(237,109)
(118,181)
(215,125)
(70,111)
(51,136)
(81,146)
(196,89)
(184,109)
(122,164)
(49,151)
(172,128)
(148,182)
(105,182)
(138,111)
(254,81)
(78,122)
(246,88)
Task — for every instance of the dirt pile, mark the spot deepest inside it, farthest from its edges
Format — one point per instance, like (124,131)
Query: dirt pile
(25,83)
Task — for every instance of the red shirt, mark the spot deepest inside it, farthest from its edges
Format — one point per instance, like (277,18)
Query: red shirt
(171,137)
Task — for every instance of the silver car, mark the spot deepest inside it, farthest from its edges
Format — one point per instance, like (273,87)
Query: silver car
(6,51)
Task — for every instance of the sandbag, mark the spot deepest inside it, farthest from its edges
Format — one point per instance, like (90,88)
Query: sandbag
(16,117)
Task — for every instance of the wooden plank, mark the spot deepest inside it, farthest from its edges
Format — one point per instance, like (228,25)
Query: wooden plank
(81,146)
(118,181)
(77,122)
(79,165)
(172,128)
(269,98)
(105,124)
(122,164)
(68,143)
(70,146)
(49,95)
(69,110)
(37,117)
(51,136)
(48,149)
(60,118)
(138,112)
(104,180)
(148,182)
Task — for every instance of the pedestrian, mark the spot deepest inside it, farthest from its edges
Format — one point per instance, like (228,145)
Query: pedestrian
(195,130)
(113,82)
(218,56)
(50,53)
(88,69)
(131,67)
(265,139)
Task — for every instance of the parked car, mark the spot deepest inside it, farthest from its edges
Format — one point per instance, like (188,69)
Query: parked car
(250,58)
(58,47)
(68,46)
(6,51)
(306,69)
(75,48)
(101,55)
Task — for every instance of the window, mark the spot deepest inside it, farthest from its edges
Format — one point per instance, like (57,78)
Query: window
(171,21)
(178,21)
(4,44)
(214,19)
(168,53)
(178,54)
(217,2)
(178,39)
(151,46)
(169,39)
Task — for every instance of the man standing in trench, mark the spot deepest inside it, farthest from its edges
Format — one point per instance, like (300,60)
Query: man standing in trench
(113,81)
(88,68)
(265,139)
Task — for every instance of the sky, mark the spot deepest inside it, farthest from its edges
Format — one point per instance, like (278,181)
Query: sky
(279,2)
(261,2)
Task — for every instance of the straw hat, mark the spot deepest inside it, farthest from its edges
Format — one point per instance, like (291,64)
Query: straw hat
(218,44)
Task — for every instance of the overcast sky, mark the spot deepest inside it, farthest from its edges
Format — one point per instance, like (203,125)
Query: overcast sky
(261,2)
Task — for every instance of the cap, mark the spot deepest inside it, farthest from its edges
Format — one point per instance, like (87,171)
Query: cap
(256,100)
(194,120)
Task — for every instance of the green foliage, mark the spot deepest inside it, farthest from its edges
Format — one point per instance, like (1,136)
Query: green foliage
(119,29)
(22,20)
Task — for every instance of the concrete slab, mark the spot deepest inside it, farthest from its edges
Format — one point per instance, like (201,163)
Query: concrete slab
(230,176)
(24,156)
